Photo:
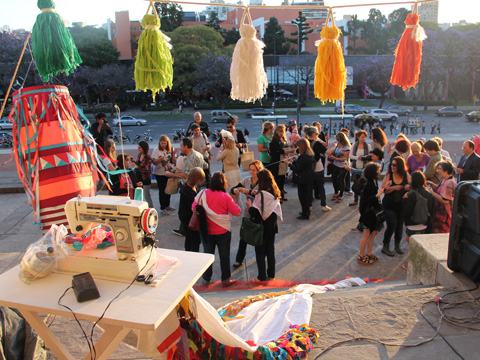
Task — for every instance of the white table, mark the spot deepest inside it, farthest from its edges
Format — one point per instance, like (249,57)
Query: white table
(140,307)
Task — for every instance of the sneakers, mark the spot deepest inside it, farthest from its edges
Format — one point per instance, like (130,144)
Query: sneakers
(326,208)
(165,212)
(348,192)
(170,208)
(178,233)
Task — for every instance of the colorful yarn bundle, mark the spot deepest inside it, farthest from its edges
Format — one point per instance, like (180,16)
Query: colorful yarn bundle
(53,47)
(154,64)
(408,54)
(330,71)
(247,74)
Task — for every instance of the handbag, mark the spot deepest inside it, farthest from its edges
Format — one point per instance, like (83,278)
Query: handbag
(252,232)
(246,159)
(172,186)
(282,166)
(379,218)
(330,168)
(194,222)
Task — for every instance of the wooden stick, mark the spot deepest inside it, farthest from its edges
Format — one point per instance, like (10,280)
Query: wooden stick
(14,74)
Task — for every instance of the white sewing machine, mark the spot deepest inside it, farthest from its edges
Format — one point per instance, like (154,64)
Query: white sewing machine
(133,225)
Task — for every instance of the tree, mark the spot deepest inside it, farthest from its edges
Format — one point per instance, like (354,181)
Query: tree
(354,27)
(273,30)
(189,44)
(231,37)
(397,22)
(171,16)
(93,46)
(214,22)
(301,69)
(374,33)
(213,75)
(304,28)
(375,71)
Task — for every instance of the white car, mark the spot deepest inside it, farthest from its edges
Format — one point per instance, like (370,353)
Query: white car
(384,114)
(5,124)
(129,120)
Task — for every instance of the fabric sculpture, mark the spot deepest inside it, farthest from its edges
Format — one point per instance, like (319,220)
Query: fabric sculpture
(330,72)
(154,64)
(55,157)
(247,74)
(53,47)
(408,54)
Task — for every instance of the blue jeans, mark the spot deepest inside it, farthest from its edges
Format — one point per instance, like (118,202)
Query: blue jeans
(319,187)
(395,222)
(221,241)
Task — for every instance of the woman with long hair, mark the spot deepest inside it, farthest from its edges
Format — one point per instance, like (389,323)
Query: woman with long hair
(369,203)
(339,155)
(359,157)
(443,193)
(302,167)
(162,157)
(125,182)
(266,208)
(188,191)
(379,139)
(249,187)
(319,150)
(263,141)
(144,170)
(219,208)
(229,156)
(278,148)
(399,180)
(110,157)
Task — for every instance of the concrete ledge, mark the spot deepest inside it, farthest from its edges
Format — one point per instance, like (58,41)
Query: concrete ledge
(427,263)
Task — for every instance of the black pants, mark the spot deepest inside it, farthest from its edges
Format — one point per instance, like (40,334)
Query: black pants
(280,180)
(221,241)
(241,252)
(192,239)
(319,187)
(305,197)
(162,197)
(338,179)
(267,249)
(395,220)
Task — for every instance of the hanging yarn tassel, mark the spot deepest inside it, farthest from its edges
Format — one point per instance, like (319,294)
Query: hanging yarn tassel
(53,47)
(408,54)
(247,74)
(154,64)
(330,71)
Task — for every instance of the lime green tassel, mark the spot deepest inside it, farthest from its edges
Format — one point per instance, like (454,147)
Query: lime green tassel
(154,64)
(53,48)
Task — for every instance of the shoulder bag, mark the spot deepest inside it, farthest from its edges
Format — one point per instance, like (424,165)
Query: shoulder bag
(194,223)
(252,232)
(172,186)
(246,159)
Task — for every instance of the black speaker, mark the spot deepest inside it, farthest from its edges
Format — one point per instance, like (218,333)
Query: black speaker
(464,240)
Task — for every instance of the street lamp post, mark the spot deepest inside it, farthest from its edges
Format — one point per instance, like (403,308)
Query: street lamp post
(275,59)
(297,75)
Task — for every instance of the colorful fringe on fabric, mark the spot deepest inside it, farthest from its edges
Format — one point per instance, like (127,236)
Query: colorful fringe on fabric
(247,74)
(53,47)
(154,64)
(55,156)
(408,54)
(330,72)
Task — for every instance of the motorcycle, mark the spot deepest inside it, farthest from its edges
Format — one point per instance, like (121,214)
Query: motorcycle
(215,135)
(6,140)
(145,137)
(125,137)
(178,135)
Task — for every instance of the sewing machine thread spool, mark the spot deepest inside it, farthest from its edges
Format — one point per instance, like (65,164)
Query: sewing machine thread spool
(138,194)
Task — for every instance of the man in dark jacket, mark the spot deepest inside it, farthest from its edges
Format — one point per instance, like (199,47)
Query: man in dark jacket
(204,127)
(100,130)
(469,165)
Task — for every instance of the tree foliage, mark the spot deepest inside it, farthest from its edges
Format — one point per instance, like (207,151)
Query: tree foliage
(376,72)
(273,30)
(171,16)
(93,46)
(374,33)
(301,70)
(214,22)
(304,29)
(231,37)
(213,76)
(189,44)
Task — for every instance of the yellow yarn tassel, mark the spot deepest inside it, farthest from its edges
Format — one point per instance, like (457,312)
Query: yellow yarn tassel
(330,72)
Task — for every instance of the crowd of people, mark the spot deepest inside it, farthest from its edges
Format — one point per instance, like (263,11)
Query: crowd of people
(420,178)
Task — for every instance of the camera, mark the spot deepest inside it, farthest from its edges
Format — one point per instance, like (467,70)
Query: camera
(366,158)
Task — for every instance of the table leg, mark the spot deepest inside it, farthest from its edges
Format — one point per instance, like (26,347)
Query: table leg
(109,341)
(46,335)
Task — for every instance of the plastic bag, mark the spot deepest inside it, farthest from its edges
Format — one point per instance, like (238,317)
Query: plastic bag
(40,258)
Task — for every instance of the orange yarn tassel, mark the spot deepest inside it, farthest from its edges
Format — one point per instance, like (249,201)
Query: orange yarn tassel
(408,54)
(330,72)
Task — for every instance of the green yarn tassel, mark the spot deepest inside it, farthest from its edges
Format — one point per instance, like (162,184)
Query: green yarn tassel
(154,64)
(53,47)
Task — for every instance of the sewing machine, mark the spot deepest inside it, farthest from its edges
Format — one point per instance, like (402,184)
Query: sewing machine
(133,225)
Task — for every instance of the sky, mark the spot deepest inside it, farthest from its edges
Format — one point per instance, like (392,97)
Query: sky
(21,14)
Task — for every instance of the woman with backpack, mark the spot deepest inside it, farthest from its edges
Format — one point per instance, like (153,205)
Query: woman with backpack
(369,204)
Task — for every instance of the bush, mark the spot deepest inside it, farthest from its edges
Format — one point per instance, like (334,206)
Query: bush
(422,102)
(167,107)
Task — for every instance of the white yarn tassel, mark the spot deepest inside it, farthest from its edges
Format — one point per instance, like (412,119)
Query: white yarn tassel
(247,74)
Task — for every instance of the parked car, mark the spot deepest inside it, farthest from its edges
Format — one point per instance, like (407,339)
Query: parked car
(5,124)
(473,116)
(259,112)
(370,119)
(221,116)
(129,120)
(351,109)
(448,111)
(384,114)
(399,110)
